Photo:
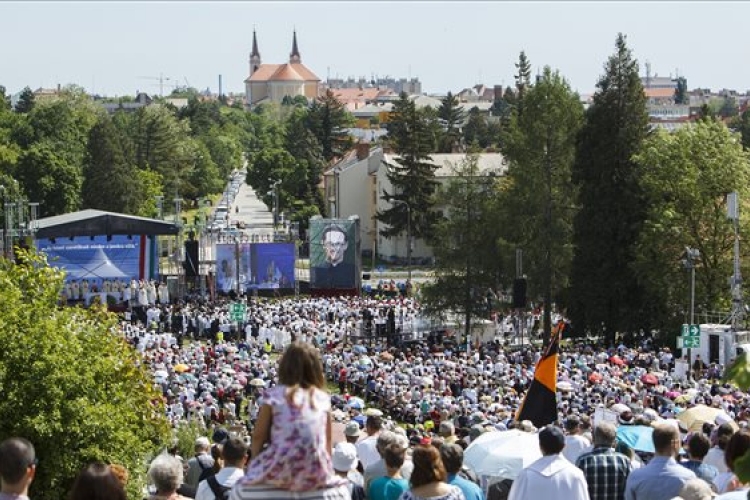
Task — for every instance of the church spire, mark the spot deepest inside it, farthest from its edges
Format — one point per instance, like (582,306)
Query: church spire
(255,46)
(254,55)
(294,57)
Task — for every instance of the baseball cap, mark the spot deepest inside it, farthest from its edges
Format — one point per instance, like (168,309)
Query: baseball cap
(344,457)
(351,429)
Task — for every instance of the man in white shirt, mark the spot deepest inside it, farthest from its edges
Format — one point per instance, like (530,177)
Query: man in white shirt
(234,454)
(367,447)
(551,476)
(575,444)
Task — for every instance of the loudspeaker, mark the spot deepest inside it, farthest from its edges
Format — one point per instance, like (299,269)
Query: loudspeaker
(191,259)
(519,293)
(365,276)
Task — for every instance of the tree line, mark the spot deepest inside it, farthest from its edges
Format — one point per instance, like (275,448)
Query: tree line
(601,205)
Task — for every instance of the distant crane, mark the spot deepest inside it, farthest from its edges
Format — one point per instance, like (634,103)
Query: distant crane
(161,79)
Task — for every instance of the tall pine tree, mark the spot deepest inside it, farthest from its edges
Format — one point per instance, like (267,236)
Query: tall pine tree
(540,145)
(606,295)
(108,179)
(412,174)
(523,79)
(328,120)
(453,118)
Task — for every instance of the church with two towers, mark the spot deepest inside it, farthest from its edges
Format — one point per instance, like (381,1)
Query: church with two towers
(273,82)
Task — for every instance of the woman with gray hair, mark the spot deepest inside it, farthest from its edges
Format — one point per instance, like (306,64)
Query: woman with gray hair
(165,473)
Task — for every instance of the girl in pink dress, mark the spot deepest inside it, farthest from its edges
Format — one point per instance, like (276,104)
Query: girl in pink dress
(291,445)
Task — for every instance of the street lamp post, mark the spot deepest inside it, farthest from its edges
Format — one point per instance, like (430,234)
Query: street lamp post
(275,192)
(691,258)
(408,237)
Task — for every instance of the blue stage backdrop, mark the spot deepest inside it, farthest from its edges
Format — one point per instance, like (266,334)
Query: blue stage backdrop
(227,262)
(262,266)
(273,265)
(104,265)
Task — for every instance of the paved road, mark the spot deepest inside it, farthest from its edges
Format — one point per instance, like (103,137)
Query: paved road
(248,208)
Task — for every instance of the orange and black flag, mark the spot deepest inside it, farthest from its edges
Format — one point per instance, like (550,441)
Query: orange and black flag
(540,404)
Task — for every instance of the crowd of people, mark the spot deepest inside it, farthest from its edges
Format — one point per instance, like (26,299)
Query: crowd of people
(407,408)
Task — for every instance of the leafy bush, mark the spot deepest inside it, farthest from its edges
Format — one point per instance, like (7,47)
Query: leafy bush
(70,384)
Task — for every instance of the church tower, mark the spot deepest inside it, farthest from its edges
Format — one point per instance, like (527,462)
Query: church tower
(254,56)
(294,57)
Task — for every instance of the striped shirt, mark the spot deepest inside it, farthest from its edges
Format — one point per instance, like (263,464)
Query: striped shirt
(606,473)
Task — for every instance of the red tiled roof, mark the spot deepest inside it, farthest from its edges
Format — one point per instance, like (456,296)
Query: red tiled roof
(355,95)
(282,72)
(286,73)
(658,93)
(264,72)
(304,72)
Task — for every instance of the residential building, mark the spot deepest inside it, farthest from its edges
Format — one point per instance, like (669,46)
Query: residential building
(410,86)
(355,185)
(273,82)
(141,100)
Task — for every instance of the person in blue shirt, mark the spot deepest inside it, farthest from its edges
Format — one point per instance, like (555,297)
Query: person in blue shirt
(392,485)
(697,448)
(663,478)
(453,459)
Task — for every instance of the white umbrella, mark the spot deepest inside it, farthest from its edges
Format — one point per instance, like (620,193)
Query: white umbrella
(501,455)
(256,382)
(564,386)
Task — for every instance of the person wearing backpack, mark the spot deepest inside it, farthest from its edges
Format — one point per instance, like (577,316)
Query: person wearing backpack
(201,461)
(218,486)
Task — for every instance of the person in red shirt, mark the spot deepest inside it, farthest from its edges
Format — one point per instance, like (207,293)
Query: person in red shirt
(342,380)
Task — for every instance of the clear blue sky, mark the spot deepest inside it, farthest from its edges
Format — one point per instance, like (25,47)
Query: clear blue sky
(107,46)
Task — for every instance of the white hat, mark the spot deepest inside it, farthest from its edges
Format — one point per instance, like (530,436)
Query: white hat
(344,457)
(351,429)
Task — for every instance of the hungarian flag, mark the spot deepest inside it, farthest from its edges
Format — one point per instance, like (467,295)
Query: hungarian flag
(540,404)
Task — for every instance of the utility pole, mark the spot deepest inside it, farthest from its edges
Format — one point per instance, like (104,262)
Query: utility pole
(733,213)
(547,321)
(692,255)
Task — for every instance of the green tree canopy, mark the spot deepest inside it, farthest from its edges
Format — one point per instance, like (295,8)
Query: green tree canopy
(540,145)
(466,254)
(328,119)
(26,101)
(452,120)
(110,183)
(412,174)
(49,178)
(523,79)
(681,91)
(71,384)
(605,291)
(686,176)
